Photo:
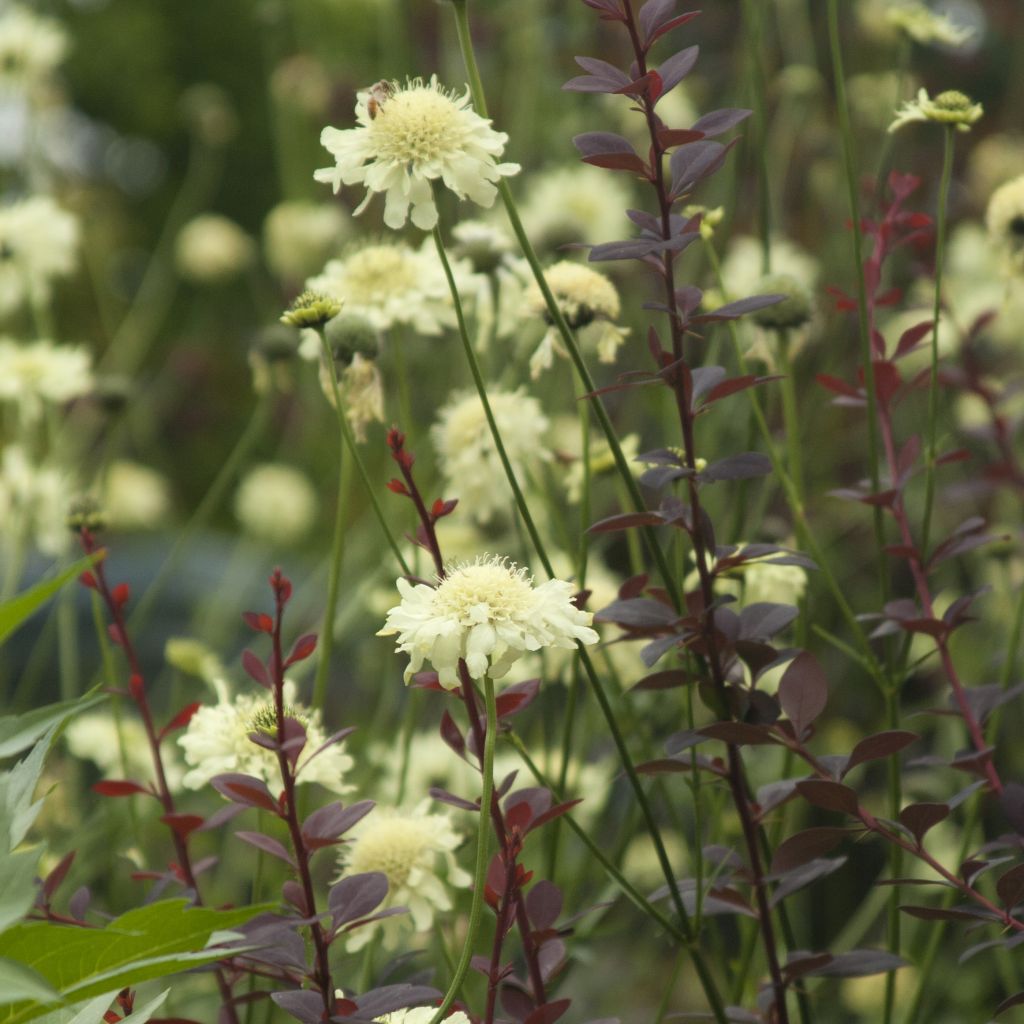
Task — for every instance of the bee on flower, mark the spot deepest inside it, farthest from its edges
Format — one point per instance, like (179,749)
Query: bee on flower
(409,136)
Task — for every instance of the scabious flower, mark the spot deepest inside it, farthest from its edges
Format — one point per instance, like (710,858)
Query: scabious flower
(31,47)
(276,503)
(421,1015)
(34,500)
(584,297)
(392,283)
(466,452)
(487,613)
(311,309)
(211,249)
(298,236)
(41,373)
(408,137)
(217,741)
(952,108)
(1004,218)
(38,243)
(118,749)
(926,26)
(410,848)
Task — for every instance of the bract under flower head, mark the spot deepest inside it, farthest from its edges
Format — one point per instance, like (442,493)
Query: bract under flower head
(487,613)
(951,108)
(409,136)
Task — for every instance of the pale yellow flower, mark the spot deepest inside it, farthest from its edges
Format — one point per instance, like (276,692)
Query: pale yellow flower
(951,108)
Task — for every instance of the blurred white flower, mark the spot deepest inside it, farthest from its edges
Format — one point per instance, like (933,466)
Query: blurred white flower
(392,283)
(34,500)
(1004,219)
(217,741)
(211,249)
(40,373)
(410,848)
(487,613)
(276,502)
(585,298)
(926,26)
(467,455)
(119,750)
(408,137)
(421,1015)
(31,47)
(298,236)
(135,497)
(578,203)
(601,461)
(38,242)
(779,584)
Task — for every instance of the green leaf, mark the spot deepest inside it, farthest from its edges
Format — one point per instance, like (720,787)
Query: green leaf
(17,891)
(142,1013)
(148,942)
(17,811)
(90,1012)
(18,982)
(14,612)
(19,732)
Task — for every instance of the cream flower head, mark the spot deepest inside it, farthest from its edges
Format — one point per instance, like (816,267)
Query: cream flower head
(135,497)
(217,741)
(952,108)
(487,613)
(408,847)
(466,452)
(1004,218)
(38,242)
(40,373)
(212,248)
(926,26)
(584,297)
(408,137)
(392,283)
(31,47)
(276,502)
(421,1015)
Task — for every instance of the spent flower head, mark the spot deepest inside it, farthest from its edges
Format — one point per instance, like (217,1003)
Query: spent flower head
(951,108)
(487,613)
(409,136)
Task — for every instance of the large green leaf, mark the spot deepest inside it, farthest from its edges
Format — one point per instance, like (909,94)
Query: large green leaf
(18,983)
(19,732)
(149,942)
(17,887)
(14,612)
(90,1012)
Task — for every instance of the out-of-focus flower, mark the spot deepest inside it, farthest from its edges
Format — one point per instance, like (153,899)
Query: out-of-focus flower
(421,1015)
(410,848)
(135,497)
(466,451)
(793,311)
(487,613)
(40,373)
(38,242)
(193,657)
(298,236)
(758,580)
(211,249)
(710,218)
(31,47)
(584,297)
(579,203)
(926,26)
(217,741)
(1004,219)
(393,284)
(408,137)
(993,161)
(34,500)
(302,83)
(486,246)
(277,503)
(951,108)
(210,113)
(871,95)
(118,749)
(741,266)
(601,461)
(363,395)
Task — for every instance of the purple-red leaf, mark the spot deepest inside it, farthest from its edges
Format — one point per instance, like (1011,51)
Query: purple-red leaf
(830,796)
(806,846)
(918,818)
(255,668)
(803,691)
(267,845)
(245,789)
(882,744)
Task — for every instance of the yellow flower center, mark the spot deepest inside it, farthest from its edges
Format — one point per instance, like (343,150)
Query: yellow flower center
(392,847)
(378,272)
(485,592)
(415,126)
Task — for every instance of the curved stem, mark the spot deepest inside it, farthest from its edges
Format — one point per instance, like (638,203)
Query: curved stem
(480,870)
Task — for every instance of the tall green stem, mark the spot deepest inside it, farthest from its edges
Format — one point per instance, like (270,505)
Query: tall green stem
(933,376)
(480,870)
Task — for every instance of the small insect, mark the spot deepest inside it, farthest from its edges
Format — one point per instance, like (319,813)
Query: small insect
(380,93)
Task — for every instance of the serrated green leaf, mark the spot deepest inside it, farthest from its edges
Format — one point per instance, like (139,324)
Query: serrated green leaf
(18,982)
(148,942)
(14,612)
(19,732)
(17,785)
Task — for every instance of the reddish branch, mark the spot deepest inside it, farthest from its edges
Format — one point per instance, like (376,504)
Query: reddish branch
(115,601)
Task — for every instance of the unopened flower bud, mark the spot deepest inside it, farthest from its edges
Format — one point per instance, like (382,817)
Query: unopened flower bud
(793,311)
(351,335)
(84,513)
(311,309)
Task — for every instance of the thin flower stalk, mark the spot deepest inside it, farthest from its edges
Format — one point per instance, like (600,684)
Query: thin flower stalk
(96,580)
(706,977)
